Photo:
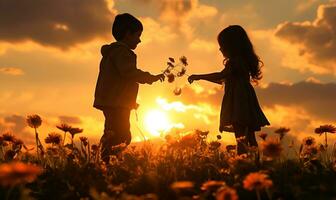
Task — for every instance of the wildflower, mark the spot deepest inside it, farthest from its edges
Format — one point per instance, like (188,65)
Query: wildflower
(34,121)
(182,185)
(170,65)
(184,61)
(74,131)
(182,72)
(177,91)
(171,77)
(64,127)
(257,181)
(212,185)
(8,137)
(219,137)
(282,131)
(53,138)
(226,193)
(15,173)
(309,141)
(84,140)
(325,129)
(214,145)
(171,59)
(263,136)
(271,148)
(166,71)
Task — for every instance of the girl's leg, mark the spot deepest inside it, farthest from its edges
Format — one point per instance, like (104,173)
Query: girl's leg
(241,138)
(252,139)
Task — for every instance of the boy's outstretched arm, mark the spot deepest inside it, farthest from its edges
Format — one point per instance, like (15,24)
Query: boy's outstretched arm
(126,64)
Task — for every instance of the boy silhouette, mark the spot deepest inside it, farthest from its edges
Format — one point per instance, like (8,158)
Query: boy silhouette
(118,82)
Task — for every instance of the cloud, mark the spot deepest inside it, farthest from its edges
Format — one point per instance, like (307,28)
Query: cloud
(69,119)
(17,122)
(175,11)
(318,99)
(203,45)
(182,16)
(155,32)
(316,40)
(58,23)
(14,71)
(305,5)
(178,10)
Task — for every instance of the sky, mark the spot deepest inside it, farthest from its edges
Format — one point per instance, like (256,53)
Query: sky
(50,53)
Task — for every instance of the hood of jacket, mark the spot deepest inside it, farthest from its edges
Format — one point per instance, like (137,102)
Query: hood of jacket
(105,49)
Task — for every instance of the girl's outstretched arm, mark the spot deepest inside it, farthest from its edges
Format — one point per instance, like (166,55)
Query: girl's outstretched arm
(216,77)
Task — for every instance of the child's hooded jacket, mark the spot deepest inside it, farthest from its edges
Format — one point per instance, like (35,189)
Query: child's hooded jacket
(119,78)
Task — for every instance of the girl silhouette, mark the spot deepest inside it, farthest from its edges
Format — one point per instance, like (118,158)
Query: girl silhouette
(240,111)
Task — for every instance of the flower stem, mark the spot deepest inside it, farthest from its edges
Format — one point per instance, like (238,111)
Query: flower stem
(326,139)
(64,137)
(258,194)
(37,146)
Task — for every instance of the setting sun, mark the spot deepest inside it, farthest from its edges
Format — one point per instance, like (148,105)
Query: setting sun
(156,122)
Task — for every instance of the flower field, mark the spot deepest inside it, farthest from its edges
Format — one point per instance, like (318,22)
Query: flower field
(186,166)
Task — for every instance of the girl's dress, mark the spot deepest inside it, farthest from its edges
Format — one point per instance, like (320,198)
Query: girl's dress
(240,104)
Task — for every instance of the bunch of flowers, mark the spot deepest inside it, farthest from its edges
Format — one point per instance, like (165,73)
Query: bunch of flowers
(174,70)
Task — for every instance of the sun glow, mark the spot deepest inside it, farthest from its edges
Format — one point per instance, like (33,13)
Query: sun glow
(156,122)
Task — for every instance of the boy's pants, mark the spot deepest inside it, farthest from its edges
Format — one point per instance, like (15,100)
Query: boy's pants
(116,130)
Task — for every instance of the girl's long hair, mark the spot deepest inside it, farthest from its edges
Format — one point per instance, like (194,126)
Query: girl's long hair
(236,44)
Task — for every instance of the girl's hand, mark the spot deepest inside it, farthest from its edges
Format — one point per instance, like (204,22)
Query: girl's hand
(193,78)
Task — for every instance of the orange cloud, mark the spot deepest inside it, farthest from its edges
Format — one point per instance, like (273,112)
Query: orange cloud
(11,71)
(315,40)
(155,32)
(301,122)
(203,45)
(53,23)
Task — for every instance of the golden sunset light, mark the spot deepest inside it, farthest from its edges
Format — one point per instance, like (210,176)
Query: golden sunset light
(157,122)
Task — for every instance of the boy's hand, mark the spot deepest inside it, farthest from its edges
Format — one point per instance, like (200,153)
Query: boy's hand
(155,78)
(193,78)
(160,77)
